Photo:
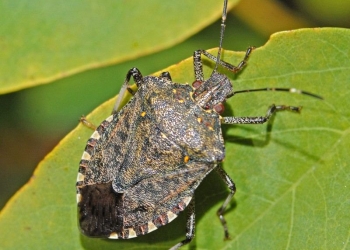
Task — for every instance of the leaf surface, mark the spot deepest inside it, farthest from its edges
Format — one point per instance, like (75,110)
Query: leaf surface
(43,41)
(292,175)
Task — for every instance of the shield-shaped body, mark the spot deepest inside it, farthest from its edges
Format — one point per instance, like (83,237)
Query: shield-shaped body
(141,166)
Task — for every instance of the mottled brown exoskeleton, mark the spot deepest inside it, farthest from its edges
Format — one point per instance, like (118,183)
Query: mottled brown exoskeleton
(141,166)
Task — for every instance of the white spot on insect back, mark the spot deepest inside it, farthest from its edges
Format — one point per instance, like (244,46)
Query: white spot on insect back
(109,118)
(86,156)
(95,135)
(78,198)
(187,200)
(113,236)
(171,216)
(132,233)
(80,177)
(151,226)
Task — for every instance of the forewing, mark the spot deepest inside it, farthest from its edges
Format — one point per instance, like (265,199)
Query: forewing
(144,207)
(106,148)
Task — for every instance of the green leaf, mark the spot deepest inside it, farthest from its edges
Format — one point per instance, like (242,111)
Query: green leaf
(43,41)
(292,175)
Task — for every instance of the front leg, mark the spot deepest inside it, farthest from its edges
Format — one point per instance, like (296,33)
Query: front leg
(198,65)
(138,78)
(259,119)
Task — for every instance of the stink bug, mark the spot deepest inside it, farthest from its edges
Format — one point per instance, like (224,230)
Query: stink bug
(142,164)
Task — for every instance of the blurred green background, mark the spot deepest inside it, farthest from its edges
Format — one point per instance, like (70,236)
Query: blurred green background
(33,120)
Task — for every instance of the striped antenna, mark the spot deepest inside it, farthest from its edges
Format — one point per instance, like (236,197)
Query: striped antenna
(291,90)
(223,25)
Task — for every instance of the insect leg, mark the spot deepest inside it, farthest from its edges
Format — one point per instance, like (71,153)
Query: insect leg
(231,185)
(166,75)
(138,78)
(190,226)
(86,123)
(259,119)
(198,65)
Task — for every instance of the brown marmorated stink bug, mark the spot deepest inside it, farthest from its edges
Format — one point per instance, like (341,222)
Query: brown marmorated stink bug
(141,166)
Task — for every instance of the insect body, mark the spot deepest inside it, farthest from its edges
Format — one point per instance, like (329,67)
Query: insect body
(141,166)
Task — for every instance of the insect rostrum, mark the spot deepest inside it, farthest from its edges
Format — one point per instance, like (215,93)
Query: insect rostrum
(141,166)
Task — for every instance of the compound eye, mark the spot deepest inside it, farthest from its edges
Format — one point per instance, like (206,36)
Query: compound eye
(196,84)
(219,108)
